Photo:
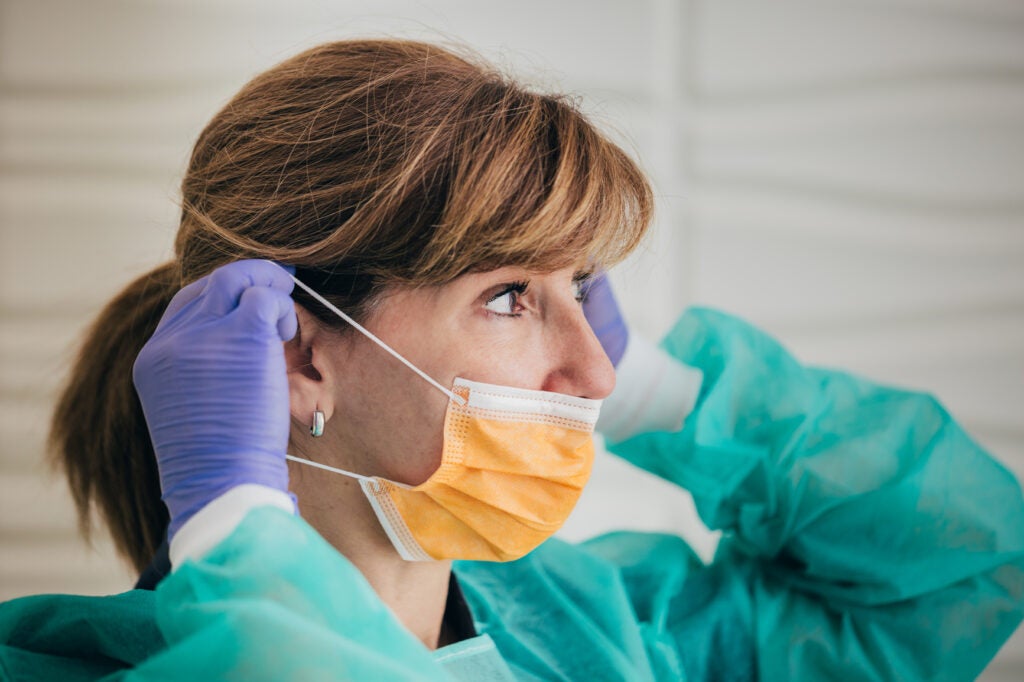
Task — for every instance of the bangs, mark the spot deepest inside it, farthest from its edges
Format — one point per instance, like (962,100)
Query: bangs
(533,184)
(369,164)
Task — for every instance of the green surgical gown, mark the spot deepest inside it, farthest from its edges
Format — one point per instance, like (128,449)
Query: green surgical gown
(865,537)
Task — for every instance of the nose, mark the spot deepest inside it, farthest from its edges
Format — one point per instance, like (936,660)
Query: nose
(579,365)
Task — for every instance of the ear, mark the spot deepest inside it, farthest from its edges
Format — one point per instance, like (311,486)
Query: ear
(309,375)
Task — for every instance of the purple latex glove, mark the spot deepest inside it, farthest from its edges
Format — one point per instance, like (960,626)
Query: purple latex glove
(602,312)
(213,386)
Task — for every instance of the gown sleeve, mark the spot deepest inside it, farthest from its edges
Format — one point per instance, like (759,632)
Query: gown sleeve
(865,535)
(247,610)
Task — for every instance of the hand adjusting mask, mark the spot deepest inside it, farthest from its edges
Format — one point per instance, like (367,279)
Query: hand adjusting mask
(513,465)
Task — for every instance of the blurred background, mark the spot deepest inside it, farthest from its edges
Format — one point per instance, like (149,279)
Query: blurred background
(847,175)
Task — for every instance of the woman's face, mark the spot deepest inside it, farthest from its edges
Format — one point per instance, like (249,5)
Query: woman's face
(508,326)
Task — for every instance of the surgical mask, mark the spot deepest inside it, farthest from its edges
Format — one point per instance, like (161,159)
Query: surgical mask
(513,465)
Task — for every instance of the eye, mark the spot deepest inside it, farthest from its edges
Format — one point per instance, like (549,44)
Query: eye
(578,291)
(580,285)
(506,301)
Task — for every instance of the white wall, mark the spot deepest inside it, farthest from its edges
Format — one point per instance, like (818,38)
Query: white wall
(848,175)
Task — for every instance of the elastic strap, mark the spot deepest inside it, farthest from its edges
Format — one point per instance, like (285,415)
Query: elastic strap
(336,470)
(370,335)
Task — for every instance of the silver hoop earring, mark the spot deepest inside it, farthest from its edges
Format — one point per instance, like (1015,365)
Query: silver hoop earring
(317,429)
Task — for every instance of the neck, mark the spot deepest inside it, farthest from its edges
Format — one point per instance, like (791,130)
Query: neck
(416,591)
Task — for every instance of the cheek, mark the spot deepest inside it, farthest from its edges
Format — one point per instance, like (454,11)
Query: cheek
(516,358)
(410,424)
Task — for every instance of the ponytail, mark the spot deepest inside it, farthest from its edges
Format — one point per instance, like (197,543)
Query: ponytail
(99,434)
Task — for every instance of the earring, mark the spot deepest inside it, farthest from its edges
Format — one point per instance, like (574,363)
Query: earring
(317,428)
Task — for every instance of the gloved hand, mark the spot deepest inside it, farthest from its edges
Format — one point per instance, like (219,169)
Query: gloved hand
(213,386)
(602,312)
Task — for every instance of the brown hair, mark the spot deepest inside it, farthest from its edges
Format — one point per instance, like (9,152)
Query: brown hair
(366,164)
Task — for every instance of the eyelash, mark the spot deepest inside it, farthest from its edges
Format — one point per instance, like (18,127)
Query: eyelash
(515,288)
(519,288)
(581,282)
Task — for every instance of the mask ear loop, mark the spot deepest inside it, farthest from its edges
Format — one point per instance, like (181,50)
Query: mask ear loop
(343,472)
(368,334)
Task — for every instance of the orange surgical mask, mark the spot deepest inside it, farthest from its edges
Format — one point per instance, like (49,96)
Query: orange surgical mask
(513,465)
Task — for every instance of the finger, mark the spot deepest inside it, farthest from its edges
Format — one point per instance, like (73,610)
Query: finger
(599,304)
(185,296)
(288,321)
(229,281)
(271,274)
(595,286)
(268,311)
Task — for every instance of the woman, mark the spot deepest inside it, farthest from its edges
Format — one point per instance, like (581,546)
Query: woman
(378,365)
